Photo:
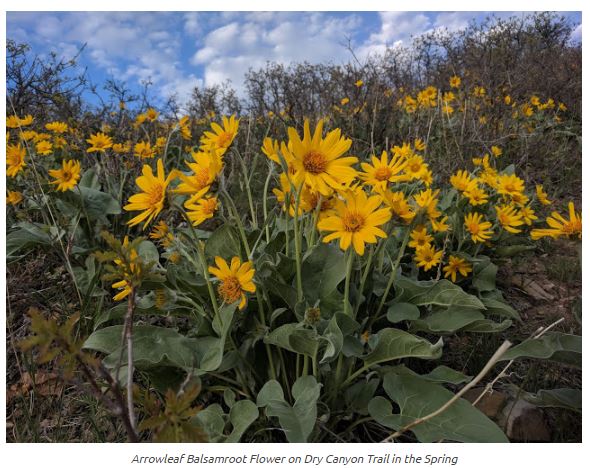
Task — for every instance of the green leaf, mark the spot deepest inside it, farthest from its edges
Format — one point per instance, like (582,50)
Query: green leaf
(224,243)
(417,398)
(221,324)
(441,293)
(512,250)
(487,326)
(500,309)
(295,339)
(148,252)
(27,236)
(569,398)
(334,339)
(400,311)
(271,391)
(92,202)
(448,321)
(397,344)
(359,395)
(554,346)
(151,346)
(90,179)
(242,414)
(323,269)
(484,279)
(211,420)
(444,374)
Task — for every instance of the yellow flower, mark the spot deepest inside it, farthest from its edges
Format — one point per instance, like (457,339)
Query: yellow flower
(463,181)
(221,137)
(67,177)
(457,265)
(13,198)
(200,209)
(144,150)
(535,101)
(399,206)
(496,151)
(235,280)
(185,131)
(528,215)
(59,142)
(559,226)
(510,185)
(359,83)
(455,81)
(356,221)
(427,201)
(44,148)
(15,159)
(151,114)
(205,169)
(420,238)
(99,142)
(439,225)
(479,91)
(509,218)
(480,230)
(344,101)
(151,199)
(427,257)
(161,233)
(41,137)
(383,171)
(57,127)
(562,107)
(125,287)
(28,135)
(270,148)
(12,121)
(419,144)
(507,100)
(415,167)
(317,161)
(542,196)
(476,196)
(122,148)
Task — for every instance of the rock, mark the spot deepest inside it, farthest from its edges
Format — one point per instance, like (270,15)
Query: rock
(490,404)
(524,422)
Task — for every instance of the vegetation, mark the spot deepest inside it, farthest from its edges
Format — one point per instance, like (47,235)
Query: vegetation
(332,259)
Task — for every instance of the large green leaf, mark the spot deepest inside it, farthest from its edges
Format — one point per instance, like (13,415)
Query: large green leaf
(221,324)
(484,277)
(569,398)
(92,202)
(294,338)
(440,293)
(417,398)
(555,346)
(224,243)
(397,344)
(27,236)
(322,271)
(242,414)
(499,308)
(212,421)
(449,320)
(298,420)
(151,346)
(400,311)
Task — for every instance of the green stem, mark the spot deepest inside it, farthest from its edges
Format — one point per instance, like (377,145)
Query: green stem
(248,191)
(298,246)
(364,279)
(266,345)
(264,204)
(345,303)
(239,223)
(395,266)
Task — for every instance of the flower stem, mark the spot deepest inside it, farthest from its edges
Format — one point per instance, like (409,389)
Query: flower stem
(264,204)
(395,266)
(297,229)
(345,304)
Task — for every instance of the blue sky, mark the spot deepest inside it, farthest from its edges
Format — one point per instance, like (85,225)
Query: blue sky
(178,51)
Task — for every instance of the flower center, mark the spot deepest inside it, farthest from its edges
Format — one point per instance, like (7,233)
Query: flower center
(156,195)
(415,167)
(230,290)
(209,206)
(202,178)
(383,173)
(314,162)
(353,222)
(473,228)
(67,176)
(224,139)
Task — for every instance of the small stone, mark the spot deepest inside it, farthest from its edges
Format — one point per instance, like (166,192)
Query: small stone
(524,422)
(490,404)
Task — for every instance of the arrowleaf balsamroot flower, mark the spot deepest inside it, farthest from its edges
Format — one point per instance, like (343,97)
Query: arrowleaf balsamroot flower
(509,218)
(420,238)
(206,168)
(99,142)
(427,256)
(235,280)
(200,209)
(542,196)
(463,181)
(44,147)
(151,199)
(57,127)
(382,171)
(478,228)
(356,221)
(13,198)
(398,204)
(317,161)
(15,159)
(67,177)
(221,138)
(457,265)
(561,227)
(144,150)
